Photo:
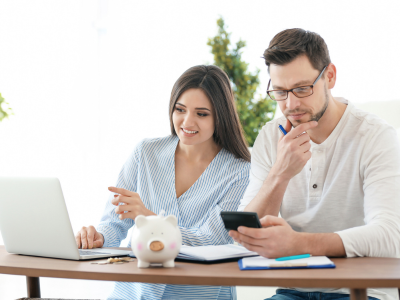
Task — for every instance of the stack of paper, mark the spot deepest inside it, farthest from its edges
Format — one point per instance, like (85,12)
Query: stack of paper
(260,263)
(213,253)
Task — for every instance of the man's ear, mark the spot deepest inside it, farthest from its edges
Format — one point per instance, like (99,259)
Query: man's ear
(330,75)
(140,221)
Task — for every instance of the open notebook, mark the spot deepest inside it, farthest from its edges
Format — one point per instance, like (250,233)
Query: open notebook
(212,254)
(262,263)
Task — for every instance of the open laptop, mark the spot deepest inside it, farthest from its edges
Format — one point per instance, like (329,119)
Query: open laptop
(34,220)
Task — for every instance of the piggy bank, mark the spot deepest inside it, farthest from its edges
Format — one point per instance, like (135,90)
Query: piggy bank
(156,239)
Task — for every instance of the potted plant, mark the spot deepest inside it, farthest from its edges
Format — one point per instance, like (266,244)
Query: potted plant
(5,110)
(254,111)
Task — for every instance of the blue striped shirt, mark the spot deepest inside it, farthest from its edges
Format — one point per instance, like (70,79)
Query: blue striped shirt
(150,171)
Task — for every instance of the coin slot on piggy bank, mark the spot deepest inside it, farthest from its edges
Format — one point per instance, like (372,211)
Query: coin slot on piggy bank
(156,239)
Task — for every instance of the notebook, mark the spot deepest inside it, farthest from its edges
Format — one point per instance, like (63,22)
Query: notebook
(212,254)
(262,263)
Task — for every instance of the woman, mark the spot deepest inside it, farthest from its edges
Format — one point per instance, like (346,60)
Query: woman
(194,174)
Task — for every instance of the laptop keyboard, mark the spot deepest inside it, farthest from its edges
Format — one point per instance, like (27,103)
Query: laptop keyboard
(88,252)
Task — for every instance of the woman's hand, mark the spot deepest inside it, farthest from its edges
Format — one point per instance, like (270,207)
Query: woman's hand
(88,238)
(131,207)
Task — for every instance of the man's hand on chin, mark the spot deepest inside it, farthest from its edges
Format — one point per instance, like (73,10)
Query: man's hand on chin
(275,239)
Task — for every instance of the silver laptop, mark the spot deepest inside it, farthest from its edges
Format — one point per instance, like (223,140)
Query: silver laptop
(34,220)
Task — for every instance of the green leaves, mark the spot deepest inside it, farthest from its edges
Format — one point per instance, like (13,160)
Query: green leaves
(5,110)
(253,112)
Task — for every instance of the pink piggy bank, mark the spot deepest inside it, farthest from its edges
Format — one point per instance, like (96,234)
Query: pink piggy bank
(156,239)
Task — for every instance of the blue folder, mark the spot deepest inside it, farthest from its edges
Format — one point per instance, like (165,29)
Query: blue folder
(330,266)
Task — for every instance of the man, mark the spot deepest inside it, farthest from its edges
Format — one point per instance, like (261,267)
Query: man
(335,176)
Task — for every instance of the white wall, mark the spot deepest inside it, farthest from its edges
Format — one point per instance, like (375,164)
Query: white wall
(87,80)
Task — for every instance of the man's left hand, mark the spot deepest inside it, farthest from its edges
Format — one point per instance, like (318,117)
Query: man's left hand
(275,239)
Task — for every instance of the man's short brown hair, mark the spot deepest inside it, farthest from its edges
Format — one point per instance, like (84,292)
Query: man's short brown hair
(291,43)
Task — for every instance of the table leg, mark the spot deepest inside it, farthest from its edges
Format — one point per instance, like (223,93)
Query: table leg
(358,294)
(33,287)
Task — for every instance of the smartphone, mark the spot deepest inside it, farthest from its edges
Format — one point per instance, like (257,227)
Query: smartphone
(234,219)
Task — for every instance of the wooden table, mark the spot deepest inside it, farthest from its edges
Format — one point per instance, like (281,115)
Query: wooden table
(354,273)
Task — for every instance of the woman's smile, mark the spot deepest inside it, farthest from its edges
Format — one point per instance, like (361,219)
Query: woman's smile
(189,133)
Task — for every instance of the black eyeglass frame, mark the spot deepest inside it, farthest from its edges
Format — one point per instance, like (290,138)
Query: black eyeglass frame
(287,91)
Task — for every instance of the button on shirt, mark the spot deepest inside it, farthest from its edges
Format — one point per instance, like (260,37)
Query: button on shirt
(351,186)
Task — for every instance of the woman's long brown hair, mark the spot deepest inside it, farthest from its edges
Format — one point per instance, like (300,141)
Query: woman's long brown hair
(216,85)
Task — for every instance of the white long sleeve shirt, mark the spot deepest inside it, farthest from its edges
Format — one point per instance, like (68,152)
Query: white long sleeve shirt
(351,186)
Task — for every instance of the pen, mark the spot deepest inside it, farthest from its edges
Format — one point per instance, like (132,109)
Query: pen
(280,127)
(293,257)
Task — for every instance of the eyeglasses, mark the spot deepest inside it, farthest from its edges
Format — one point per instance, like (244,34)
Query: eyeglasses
(299,92)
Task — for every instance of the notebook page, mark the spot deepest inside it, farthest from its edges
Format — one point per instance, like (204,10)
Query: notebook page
(215,252)
(259,261)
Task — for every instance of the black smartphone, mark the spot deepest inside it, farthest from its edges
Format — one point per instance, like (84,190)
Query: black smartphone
(234,219)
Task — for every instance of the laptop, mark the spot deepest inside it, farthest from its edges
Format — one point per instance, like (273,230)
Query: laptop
(34,220)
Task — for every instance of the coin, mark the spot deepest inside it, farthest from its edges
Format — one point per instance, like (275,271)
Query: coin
(156,246)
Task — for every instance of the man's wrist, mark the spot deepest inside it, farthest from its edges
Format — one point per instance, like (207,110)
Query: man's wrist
(276,182)
(277,177)
(304,243)
(269,198)
(328,244)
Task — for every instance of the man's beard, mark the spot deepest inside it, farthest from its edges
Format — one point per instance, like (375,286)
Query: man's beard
(314,117)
